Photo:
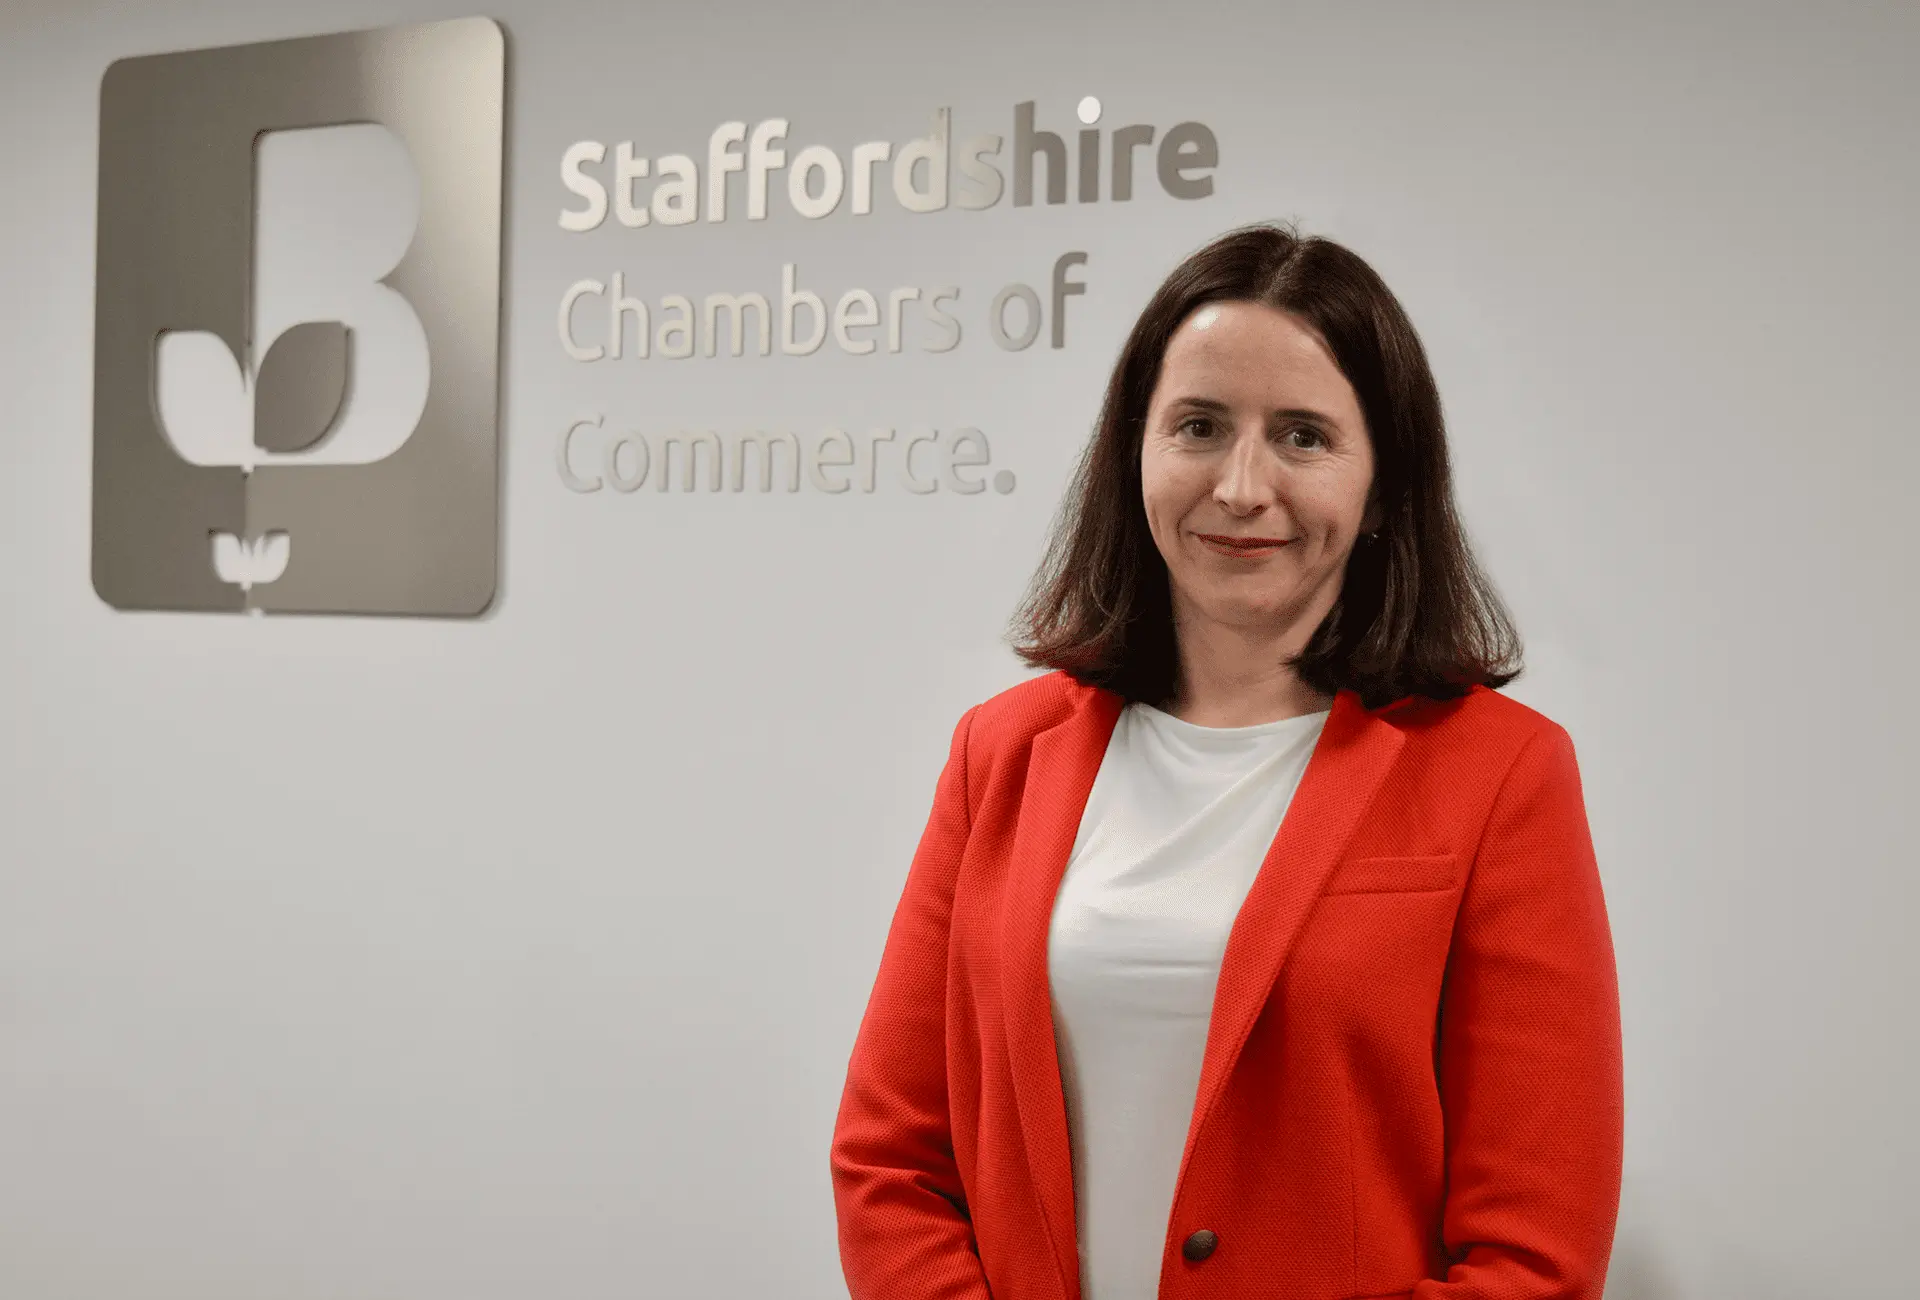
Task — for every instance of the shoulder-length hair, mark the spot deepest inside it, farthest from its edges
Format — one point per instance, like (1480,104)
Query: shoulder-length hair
(1415,614)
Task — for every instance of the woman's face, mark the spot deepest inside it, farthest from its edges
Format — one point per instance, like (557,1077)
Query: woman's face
(1256,470)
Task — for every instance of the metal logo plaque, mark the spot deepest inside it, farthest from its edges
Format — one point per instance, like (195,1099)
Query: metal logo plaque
(304,500)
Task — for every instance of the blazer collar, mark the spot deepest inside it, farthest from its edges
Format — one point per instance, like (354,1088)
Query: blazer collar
(1355,750)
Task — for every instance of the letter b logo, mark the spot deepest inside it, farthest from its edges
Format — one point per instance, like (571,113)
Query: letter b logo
(297,321)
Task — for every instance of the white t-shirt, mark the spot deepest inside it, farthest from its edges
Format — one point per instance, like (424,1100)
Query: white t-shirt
(1176,826)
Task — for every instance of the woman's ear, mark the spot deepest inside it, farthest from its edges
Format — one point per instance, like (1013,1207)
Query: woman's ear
(1373,516)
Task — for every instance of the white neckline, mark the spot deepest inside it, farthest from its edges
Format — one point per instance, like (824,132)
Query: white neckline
(1180,726)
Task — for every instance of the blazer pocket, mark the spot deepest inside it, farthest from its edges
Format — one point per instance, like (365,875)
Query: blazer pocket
(1395,875)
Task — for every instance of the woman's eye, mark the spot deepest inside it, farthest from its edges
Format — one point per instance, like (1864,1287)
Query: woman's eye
(1195,426)
(1313,436)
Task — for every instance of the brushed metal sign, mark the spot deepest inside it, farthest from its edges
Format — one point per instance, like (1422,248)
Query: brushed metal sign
(266,520)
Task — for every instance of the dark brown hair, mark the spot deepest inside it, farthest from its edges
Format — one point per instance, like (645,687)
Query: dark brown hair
(1415,615)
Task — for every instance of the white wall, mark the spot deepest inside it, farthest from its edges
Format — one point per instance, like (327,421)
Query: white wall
(345,959)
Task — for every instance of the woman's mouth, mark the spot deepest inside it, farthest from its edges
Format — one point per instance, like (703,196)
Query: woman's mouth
(1244,548)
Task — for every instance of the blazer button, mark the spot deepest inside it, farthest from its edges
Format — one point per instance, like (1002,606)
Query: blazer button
(1200,1245)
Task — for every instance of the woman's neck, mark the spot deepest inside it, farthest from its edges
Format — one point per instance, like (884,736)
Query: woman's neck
(1234,677)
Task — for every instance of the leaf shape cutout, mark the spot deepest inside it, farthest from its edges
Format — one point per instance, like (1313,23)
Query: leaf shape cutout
(201,398)
(302,387)
(271,551)
(229,558)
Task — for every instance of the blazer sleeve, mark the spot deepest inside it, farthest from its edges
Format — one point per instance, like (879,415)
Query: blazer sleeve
(1529,1057)
(904,1232)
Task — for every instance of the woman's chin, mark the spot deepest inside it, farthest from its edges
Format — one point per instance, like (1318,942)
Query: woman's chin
(1264,613)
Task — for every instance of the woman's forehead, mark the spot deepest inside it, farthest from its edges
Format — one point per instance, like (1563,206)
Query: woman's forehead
(1252,349)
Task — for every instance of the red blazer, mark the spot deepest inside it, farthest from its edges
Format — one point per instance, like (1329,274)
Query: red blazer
(1412,1080)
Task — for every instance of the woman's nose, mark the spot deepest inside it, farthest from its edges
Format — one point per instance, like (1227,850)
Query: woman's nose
(1244,486)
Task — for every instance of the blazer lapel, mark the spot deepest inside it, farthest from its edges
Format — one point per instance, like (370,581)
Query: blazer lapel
(1061,768)
(1353,755)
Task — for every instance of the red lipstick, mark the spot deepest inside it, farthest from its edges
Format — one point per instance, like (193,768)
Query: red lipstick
(1243,547)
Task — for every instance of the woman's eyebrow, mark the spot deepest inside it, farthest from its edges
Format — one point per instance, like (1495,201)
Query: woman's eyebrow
(1304,413)
(1285,413)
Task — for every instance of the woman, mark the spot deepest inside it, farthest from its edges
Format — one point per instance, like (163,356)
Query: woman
(1258,950)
